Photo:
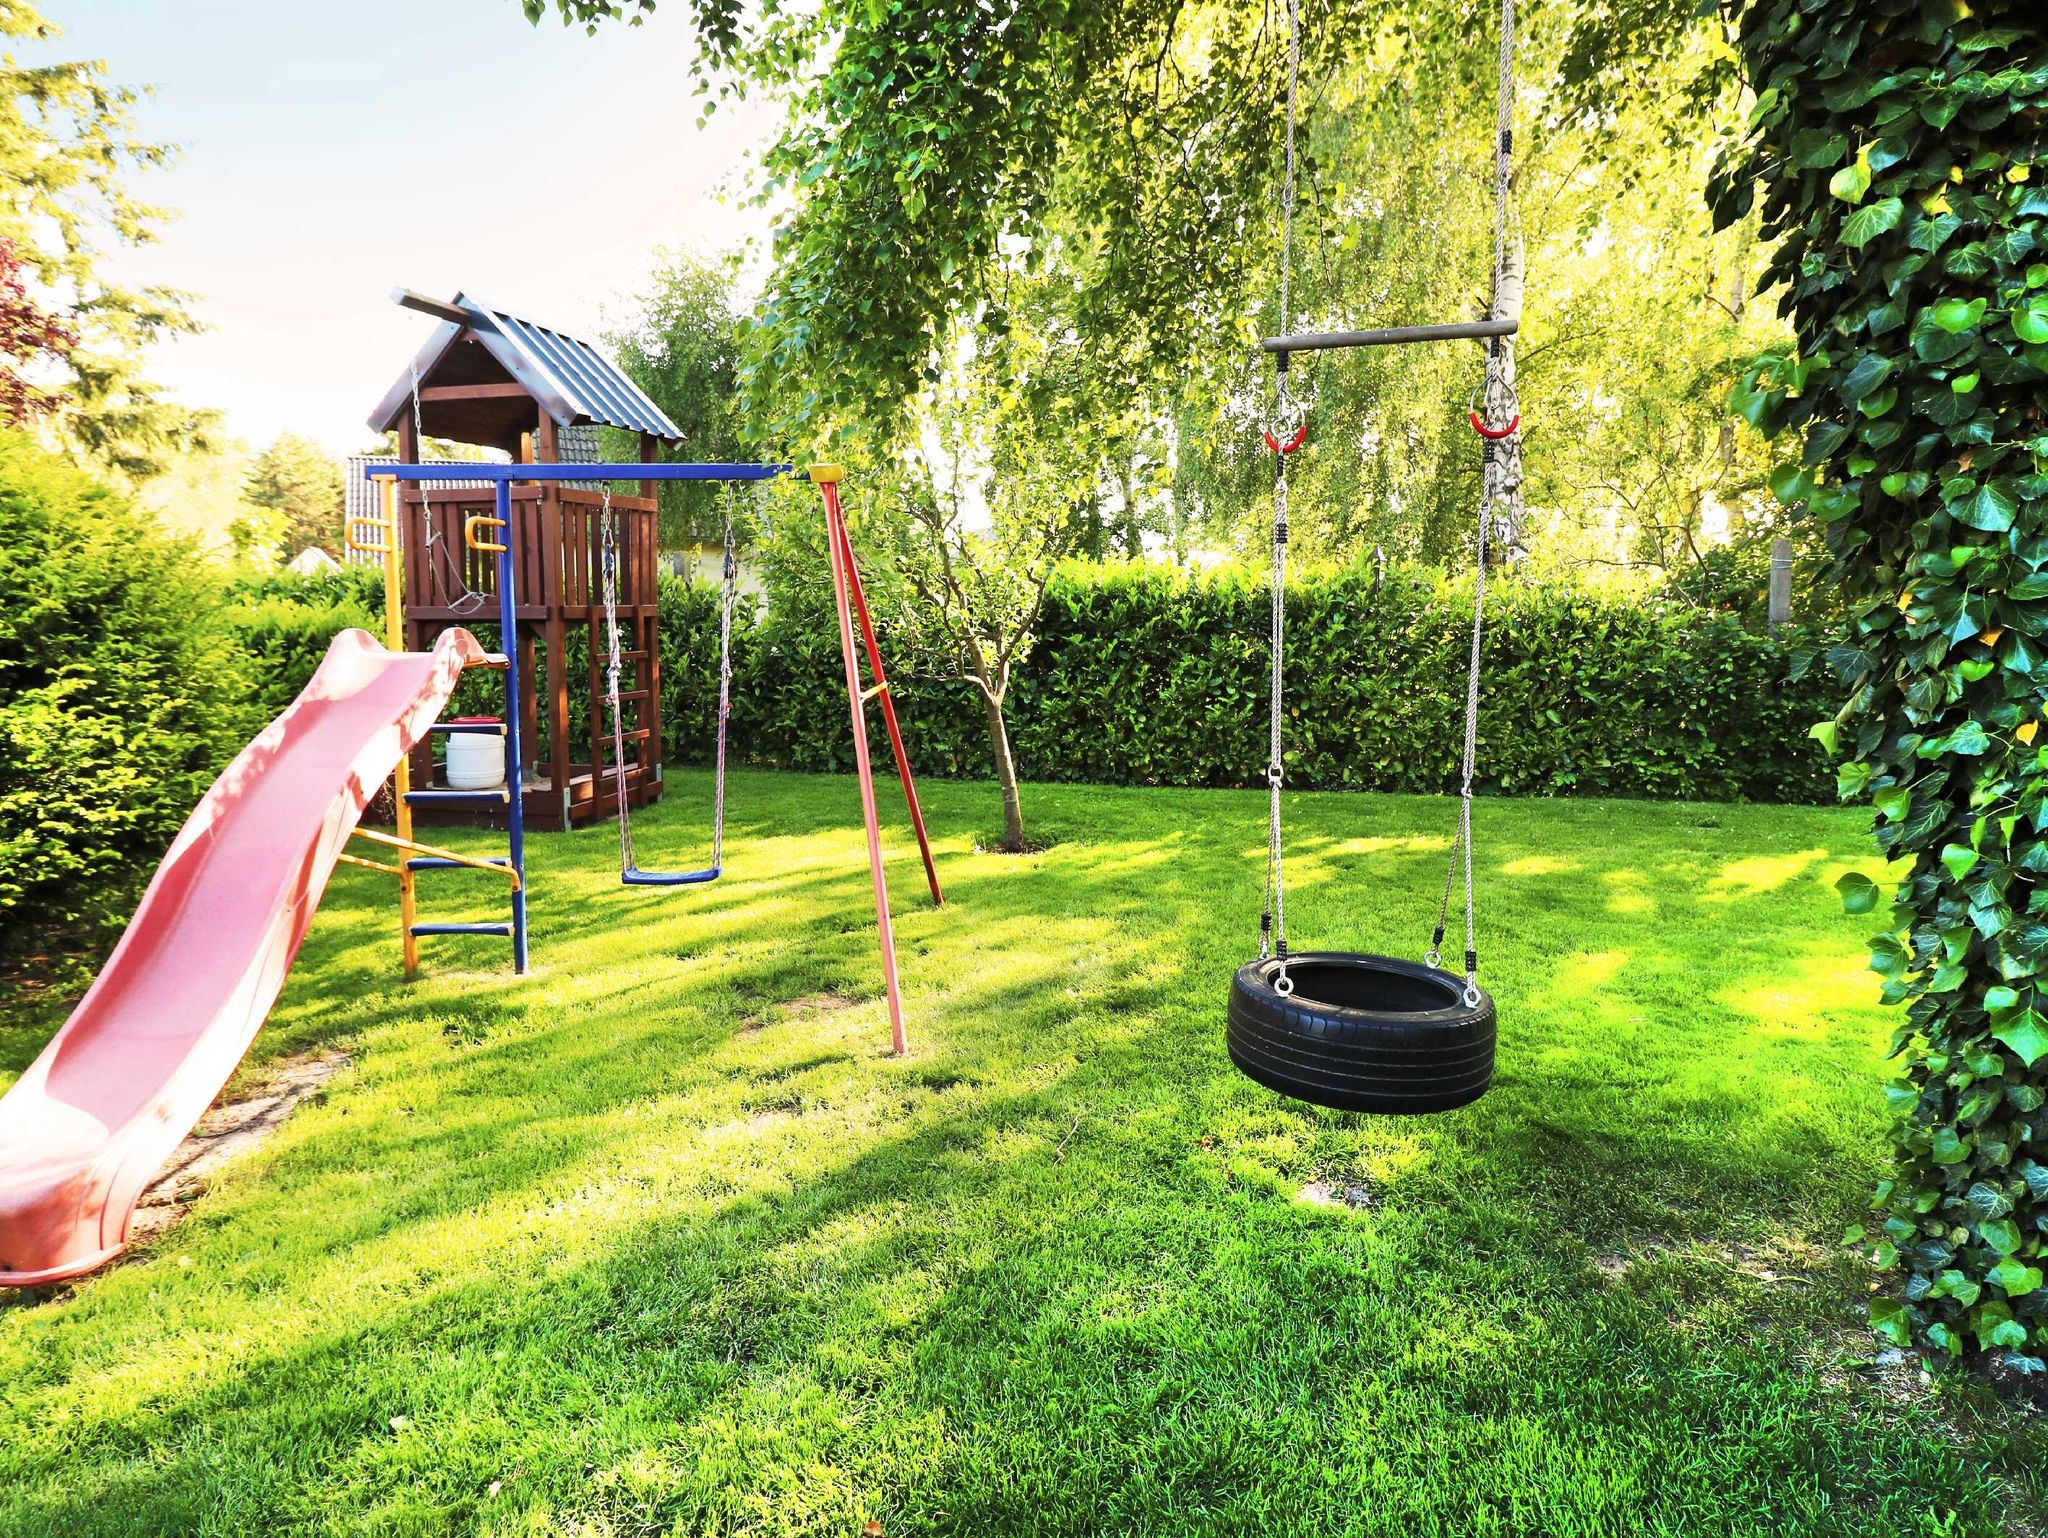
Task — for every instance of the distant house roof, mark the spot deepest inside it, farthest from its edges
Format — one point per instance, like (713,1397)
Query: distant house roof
(571,380)
(312,561)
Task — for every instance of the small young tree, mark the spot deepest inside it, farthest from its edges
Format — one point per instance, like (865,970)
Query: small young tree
(682,348)
(301,485)
(977,543)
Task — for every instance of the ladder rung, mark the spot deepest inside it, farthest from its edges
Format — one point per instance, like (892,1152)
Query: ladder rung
(491,660)
(462,929)
(635,694)
(868,694)
(501,795)
(435,862)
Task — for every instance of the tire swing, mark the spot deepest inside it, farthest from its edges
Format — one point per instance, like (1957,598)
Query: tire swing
(1360,1032)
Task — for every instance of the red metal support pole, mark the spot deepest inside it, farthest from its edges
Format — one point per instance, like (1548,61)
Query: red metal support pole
(827,479)
(880,689)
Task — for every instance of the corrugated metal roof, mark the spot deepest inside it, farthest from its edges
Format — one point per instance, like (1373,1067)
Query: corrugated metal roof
(573,382)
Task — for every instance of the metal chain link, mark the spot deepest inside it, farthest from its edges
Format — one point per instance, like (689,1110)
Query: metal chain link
(729,598)
(608,570)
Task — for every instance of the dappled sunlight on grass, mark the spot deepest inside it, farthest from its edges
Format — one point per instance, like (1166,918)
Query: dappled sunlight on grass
(1761,873)
(660,1239)
(1808,995)
(1630,893)
(1541,865)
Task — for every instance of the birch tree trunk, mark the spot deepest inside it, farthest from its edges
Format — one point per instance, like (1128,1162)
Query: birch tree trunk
(1509,534)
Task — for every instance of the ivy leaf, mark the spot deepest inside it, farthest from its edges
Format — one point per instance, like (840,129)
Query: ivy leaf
(1859,892)
(2030,325)
(1992,507)
(1870,372)
(2027,1035)
(1888,1317)
(1958,315)
(1871,221)
(1791,484)
(2016,1278)
(1948,1147)
(2002,1234)
(1967,740)
(1852,182)
(1987,1202)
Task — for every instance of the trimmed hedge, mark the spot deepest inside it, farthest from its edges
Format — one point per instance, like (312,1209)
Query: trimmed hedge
(121,695)
(281,624)
(127,678)
(1150,675)
(1147,675)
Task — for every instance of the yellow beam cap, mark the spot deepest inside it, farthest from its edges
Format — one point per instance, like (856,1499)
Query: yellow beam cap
(825,474)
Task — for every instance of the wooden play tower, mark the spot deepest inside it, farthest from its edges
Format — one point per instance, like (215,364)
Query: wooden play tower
(493,380)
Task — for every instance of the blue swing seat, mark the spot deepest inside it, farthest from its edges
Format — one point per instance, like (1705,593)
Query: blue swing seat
(634,877)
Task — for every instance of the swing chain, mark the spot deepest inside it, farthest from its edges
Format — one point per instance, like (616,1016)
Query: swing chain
(434,552)
(608,570)
(728,600)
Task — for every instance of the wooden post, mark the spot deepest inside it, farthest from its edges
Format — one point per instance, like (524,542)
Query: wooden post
(1780,607)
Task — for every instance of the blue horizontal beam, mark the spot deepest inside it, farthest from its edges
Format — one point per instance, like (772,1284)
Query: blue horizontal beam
(435,862)
(504,930)
(452,470)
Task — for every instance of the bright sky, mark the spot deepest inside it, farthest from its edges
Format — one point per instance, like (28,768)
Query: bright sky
(333,150)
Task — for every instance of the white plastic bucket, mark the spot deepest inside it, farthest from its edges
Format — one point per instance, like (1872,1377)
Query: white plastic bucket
(476,760)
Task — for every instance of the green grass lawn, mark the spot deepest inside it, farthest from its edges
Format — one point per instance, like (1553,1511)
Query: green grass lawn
(659,1239)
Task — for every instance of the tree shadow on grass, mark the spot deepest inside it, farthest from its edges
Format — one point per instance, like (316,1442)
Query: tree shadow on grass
(1048,1276)
(757,1359)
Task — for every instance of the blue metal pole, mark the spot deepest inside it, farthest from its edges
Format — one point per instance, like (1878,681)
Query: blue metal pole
(629,470)
(515,761)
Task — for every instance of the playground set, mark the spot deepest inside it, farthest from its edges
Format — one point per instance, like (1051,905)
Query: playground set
(196,972)
(543,544)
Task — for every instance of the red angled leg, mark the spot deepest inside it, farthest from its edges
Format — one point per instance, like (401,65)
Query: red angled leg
(880,690)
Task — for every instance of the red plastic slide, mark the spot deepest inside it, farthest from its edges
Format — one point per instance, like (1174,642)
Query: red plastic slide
(188,986)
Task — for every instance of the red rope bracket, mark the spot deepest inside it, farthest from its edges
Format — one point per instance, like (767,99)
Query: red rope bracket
(1495,434)
(1300,437)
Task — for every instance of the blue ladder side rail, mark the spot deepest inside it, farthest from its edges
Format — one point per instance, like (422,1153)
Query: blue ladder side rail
(507,795)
